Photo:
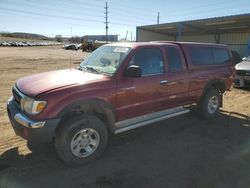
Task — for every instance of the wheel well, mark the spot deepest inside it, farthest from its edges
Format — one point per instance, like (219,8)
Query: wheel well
(98,108)
(215,84)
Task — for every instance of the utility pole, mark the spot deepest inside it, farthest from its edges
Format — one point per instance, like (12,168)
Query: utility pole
(106,21)
(158,18)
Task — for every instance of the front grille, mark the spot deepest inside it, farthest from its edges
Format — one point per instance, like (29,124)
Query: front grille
(17,97)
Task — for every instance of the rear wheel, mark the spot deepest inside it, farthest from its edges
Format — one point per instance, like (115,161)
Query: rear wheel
(81,139)
(210,104)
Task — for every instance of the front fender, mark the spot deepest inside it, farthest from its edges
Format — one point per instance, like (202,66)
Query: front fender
(101,108)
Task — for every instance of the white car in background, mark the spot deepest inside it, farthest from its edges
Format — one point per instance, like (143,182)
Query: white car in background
(72,46)
(242,76)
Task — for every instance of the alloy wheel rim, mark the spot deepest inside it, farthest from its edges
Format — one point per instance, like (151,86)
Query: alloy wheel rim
(213,104)
(85,142)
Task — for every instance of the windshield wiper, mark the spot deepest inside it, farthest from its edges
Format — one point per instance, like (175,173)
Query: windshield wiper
(91,69)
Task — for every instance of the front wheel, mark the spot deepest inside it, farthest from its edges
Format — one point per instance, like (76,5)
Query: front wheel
(81,139)
(210,104)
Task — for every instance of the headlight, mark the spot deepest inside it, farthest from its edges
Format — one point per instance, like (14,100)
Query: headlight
(32,106)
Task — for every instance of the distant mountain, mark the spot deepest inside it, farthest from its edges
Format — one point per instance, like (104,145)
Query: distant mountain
(24,35)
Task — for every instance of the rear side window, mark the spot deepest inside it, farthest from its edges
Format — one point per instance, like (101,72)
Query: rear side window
(209,55)
(201,55)
(174,60)
(221,56)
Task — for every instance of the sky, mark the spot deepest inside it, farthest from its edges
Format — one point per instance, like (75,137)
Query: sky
(86,17)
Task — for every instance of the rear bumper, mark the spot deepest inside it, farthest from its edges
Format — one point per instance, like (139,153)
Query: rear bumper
(35,132)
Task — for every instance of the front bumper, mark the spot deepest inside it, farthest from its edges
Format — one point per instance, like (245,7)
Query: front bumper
(26,122)
(35,132)
(241,81)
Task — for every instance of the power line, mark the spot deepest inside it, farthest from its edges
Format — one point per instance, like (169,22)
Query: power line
(113,17)
(121,6)
(76,5)
(137,9)
(50,15)
(63,17)
(133,11)
(58,8)
(201,12)
(117,17)
(79,2)
(134,20)
(123,15)
(95,6)
(117,23)
(63,23)
(189,10)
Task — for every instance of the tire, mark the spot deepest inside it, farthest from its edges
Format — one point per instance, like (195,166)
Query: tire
(209,105)
(81,139)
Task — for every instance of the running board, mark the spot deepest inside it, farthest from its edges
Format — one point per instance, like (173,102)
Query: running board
(140,121)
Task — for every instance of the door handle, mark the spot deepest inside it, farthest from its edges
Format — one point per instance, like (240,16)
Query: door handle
(163,82)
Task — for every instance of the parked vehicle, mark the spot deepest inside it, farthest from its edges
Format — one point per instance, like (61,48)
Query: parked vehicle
(87,47)
(242,77)
(90,46)
(119,87)
(70,47)
(26,44)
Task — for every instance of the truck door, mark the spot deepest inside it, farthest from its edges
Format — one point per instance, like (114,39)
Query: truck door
(136,96)
(173,86)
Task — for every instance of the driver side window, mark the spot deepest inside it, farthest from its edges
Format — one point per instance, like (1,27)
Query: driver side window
(150,60)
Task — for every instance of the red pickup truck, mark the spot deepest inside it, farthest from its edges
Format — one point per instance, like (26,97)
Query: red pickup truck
(119,87)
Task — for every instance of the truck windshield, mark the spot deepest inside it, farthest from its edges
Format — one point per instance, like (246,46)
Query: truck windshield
(105,60)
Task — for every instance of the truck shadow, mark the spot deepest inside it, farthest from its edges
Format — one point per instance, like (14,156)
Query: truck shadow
(180,152)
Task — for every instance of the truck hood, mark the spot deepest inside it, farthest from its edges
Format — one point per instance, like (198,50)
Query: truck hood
(39,83)
(244,65)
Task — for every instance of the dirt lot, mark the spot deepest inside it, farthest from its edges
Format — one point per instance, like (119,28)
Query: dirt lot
(180,152)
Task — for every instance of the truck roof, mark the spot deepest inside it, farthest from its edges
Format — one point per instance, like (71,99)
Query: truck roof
(137,44)
(191,43)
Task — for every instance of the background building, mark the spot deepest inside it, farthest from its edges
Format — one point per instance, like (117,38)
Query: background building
(231,30)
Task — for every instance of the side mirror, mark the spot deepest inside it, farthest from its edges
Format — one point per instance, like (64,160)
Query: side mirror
(133,71)
(244,59)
